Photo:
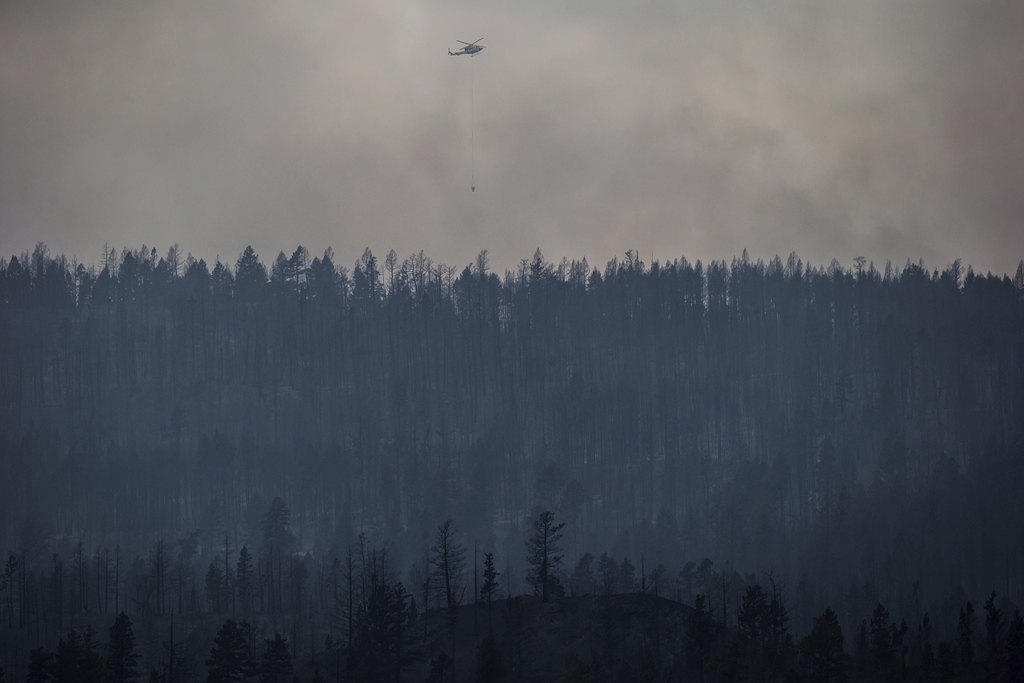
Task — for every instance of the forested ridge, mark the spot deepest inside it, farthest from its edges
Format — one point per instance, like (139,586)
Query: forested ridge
(859,433)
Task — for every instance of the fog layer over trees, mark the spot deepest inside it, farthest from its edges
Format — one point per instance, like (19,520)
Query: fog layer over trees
(858,433)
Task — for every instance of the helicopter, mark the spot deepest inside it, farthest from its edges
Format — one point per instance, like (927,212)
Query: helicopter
(470,49)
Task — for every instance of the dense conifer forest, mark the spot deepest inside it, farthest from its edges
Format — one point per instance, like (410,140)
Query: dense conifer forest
(777,469)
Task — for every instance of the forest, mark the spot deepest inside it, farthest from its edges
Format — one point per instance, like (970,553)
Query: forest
(331,459)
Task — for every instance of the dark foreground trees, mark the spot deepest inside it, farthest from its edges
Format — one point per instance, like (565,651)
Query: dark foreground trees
(230,659)
(383,640)
(701,636)
(490,663)
(643,637)
(276,662)
(822,651)
(122,660)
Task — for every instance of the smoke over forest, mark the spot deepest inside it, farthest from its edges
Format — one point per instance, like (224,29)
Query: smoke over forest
(854,434)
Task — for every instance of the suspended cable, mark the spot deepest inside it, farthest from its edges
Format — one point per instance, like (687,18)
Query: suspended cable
(472,130)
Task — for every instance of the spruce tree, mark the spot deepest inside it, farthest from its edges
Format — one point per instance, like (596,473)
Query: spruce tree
(779,646)
(752,614)
(214,585)
(543,558)
(701,633)
(276,663)
(244,580)
(627,576)
(448,558)
(122,660)
(1012,661)
(965,633)
(822,650)
(229,659)
(491,585)
(41,666)
(608,573)
(70,658)
(927,652)
(582,580)
(881,638)
(994,623)
(92,661)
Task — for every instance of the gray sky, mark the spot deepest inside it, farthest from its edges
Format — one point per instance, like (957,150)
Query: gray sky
(892,129)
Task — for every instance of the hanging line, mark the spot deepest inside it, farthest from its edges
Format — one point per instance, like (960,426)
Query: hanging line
(472,131)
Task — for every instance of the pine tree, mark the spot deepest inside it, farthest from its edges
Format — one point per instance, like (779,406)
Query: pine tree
(822,650)
(994,623)
(277,537)
(70,659)
(627,577)
(543,558)
(1012,661)
(41,666)
(965,633)
(229,659)
(250,276)
(779,647)
(276,663)
(881,638)
(753,613)
(608,573)
(701,633)
(927,654)
(947,661)
(122,660)
(439,666)
(380,648)
(449,562)
(861,645)
(491,585)
(582,580)
(214,584)
(244,580)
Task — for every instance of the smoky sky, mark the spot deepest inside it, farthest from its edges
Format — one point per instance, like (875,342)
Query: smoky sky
(888,129)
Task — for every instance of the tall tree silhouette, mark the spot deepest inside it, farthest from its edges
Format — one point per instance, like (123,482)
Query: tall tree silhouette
(277,538)
(230,660)
(701,634)
(122,660)
(490,587)
(543,558)
(822,652)
(276,662)
(448,558)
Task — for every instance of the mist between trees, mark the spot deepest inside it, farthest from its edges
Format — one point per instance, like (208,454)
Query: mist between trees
(858,433)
